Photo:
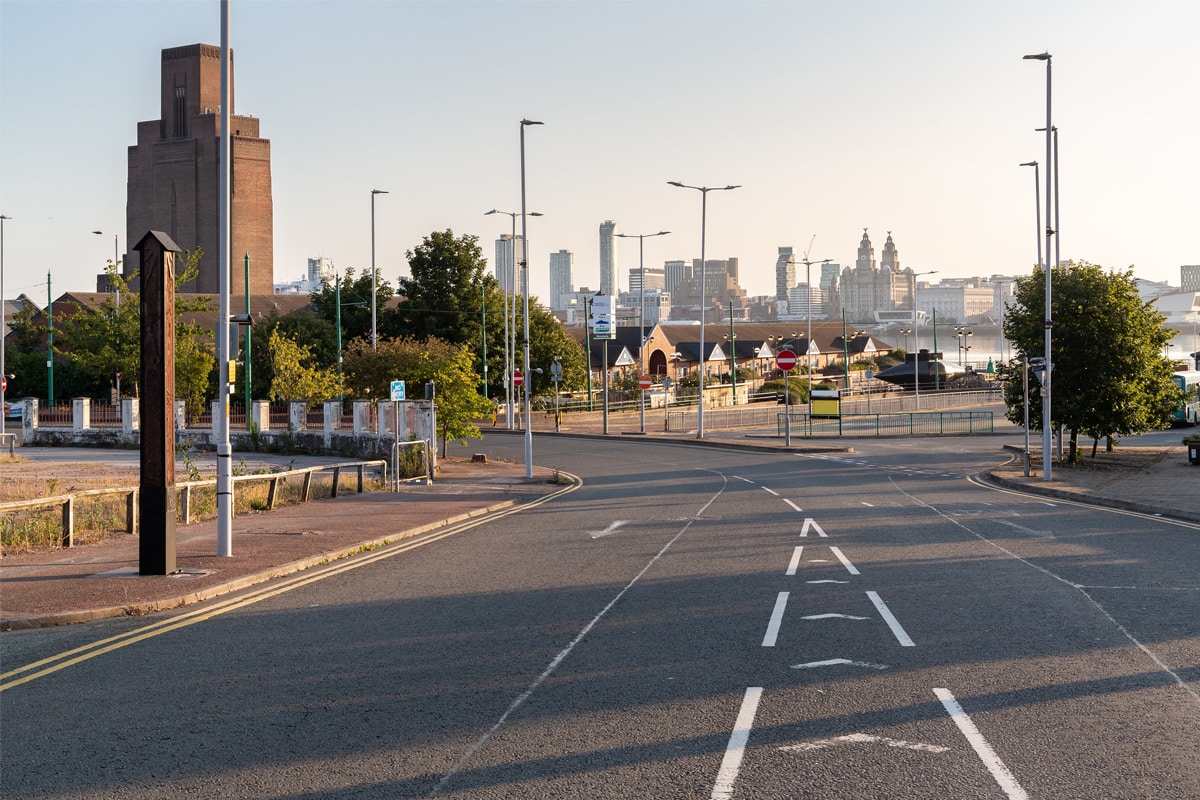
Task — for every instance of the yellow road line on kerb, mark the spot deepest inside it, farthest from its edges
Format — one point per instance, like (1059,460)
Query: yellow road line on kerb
(68,658)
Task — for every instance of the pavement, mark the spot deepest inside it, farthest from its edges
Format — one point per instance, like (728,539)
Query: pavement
(97,581)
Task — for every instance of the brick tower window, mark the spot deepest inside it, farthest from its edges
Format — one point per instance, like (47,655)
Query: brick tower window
(180,112)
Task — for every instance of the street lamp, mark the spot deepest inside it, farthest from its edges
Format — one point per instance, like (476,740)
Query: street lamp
(641,237)
(1037,208)
(117,299)
(905,332)
(525,282)
(3,330)
(703,190)
(1047,468)
(808,286)
(510,311)
(374,334)
(917,339)
(960,335)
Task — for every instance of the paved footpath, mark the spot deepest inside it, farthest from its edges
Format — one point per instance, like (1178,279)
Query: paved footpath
(97,581)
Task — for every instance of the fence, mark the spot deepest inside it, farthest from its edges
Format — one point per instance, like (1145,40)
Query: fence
(68,502)
(898,424)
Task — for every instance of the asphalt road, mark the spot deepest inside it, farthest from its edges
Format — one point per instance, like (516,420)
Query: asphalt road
(690,623)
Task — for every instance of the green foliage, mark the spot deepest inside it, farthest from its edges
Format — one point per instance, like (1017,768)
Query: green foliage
(797,389)
(692,380)
(442,296)
(297,376)
(1110,377)
(356,303)
(318,334)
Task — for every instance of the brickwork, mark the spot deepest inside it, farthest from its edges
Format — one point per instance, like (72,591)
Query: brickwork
(174,176)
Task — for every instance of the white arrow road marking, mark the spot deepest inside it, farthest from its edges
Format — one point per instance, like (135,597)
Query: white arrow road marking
(740,478)
(845,561)
(827,581)
(984,750)
(891,620)
(818,561)
(865,503)
(833,662)
(609,530)
(793,505)
(810,523)
(732,762)
(776,620)
(1023,529)
(795,562)
(831,616)
(863,738)
(772,491)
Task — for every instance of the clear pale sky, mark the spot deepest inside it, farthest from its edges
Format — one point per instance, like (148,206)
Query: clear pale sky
(892,115)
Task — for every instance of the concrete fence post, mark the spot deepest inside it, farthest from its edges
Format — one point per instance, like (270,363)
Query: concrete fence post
(362,417)
(130,415)
(81,414)
(260,411)
(297,415)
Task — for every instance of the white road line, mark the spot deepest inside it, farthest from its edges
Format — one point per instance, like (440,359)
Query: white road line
(732,762)
(891,620)
(832,616)
(794,564)
(772,491)
(863,738)
(827,581)
(868,505)
(845,561)
(833,662)
(740,478)
(612,528)
(984,750)
(776,620)
(793,505)
(810,523)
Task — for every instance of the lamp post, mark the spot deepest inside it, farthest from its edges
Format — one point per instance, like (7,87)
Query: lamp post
(1037,208)
(374,330)
(3,330)
(1047,417)
(510,310)
(641,237)
(905,332)
(525,286)
(117,303)
(960,335)
(808,350)
(917,339)
(703,190)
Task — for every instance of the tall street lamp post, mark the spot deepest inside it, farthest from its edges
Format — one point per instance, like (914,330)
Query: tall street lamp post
(917,340)
(1047,417)
(374,329)
(1037,208)
(703,190)
(525,286)
(3,330)
(641,237)
(808,349)
(510,312)
(117,304)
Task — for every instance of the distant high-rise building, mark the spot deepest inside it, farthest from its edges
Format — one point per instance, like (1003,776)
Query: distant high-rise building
(173,175)
(675,273)
(508,263)
(562,265)
(1189,278)
(319,269)
(655,279)
(608,257)
(785,272)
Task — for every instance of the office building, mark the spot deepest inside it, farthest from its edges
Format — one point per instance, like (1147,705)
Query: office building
(608,257)
(785,272)
(507,263)
(562,266)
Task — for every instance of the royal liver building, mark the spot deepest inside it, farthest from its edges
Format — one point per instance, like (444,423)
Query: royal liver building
(865,289)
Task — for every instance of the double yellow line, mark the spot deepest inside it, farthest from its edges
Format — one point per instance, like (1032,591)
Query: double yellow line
(60,661)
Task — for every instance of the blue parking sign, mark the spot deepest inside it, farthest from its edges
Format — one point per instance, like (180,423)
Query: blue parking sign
(397,391)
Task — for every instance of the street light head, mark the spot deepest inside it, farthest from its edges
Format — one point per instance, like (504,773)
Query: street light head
(535,214)
(1028,164)
(379,191)
(676,183)
(738,186)
(98,233)
(1038,57)
(493,211)
(662,233)
(531,122)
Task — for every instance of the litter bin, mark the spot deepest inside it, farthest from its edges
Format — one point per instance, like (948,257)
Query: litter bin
(1193,452)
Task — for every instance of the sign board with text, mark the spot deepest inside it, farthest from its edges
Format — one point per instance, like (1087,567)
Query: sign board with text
(397,391)
(603,322)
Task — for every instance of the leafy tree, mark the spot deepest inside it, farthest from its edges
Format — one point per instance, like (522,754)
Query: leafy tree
(443,293)
(356,303)
(296,375)
(194,362)
(369,372)
(1110,377)
(317,333)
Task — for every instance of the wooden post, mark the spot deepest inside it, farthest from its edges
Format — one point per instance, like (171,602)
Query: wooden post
(156,545)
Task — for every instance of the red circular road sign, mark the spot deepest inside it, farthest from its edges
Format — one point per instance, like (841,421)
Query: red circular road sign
(3,384)
(518,378)
(644,382)
(785,360)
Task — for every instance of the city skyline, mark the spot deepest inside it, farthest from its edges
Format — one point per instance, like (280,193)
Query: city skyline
(900,116)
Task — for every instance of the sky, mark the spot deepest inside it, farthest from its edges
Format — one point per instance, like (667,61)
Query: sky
(890,115)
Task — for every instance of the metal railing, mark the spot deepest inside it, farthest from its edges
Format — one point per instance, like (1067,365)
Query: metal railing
(929,423)
(274,479)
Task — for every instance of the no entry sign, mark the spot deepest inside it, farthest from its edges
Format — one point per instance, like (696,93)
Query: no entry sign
(785,360)
(644,382)
(518,378)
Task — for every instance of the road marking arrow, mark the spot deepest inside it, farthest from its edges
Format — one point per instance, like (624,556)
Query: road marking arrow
(834,662)
(609,530)
(810,523)
(864,738)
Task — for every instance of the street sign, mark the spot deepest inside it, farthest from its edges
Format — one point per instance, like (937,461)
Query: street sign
(785,360)
(397,391)
(3,384)
(603,321)
(518,378)
(644,382)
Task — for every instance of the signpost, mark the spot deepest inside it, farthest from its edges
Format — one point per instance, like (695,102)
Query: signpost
(644,383)
(786,360)
(556,378)
(518,380)
(397,396)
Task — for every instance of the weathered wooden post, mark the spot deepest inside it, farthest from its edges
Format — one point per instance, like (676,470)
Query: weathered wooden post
(156,547)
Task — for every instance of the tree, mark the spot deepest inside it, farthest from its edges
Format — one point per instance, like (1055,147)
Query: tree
(356,303)
(442,296)
(318,334)
(296,375)
(1110,376)
(369,372)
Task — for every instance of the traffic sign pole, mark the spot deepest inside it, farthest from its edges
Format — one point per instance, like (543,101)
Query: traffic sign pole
(786,360)
(644,383)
